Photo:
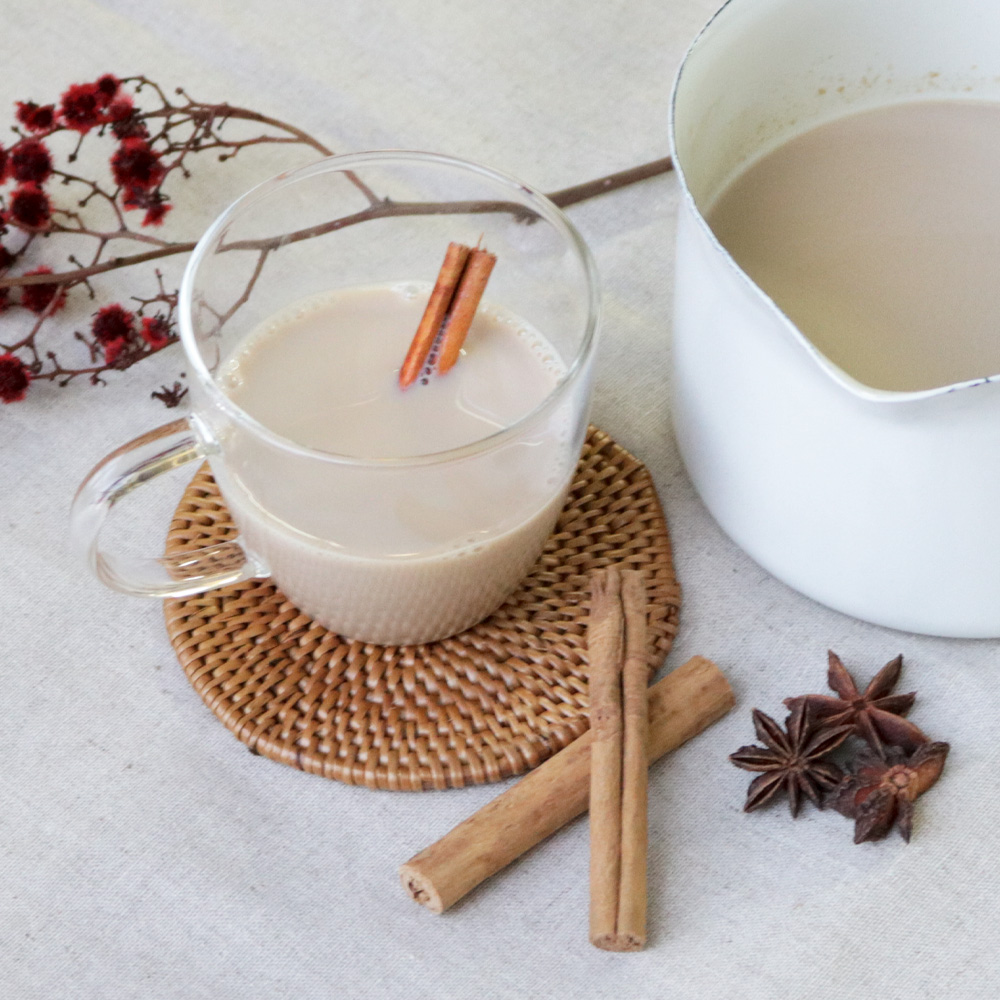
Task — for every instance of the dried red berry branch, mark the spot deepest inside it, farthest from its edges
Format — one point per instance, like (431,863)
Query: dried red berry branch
(143,140)
(142,148)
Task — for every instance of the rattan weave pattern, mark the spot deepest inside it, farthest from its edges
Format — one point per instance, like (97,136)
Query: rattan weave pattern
(491,702)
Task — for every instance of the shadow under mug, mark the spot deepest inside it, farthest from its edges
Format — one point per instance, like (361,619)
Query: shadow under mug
(306,517)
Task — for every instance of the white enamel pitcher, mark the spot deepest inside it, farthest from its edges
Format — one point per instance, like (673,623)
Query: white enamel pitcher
(884,505)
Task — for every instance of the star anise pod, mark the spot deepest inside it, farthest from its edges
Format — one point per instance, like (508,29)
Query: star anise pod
(791,758)
(877,793)
(876,715)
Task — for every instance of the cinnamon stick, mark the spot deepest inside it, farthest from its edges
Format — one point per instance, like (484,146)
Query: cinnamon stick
(450,310)
(605,645)
(631,925)
(681,705)
(441,297)
(618,762)
(463,308)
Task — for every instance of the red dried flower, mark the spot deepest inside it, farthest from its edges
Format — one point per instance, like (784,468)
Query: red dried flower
(153,201)
(30,161)
(113,350)
(111,324)
(4,299)
(130,128)
(37,297)
(14,378)
(157,210)
(4,164)
(155,331)
(125,121)
(120,108)
(6,259)
(29,207)
(81,106)
(107,88)
(136,167)
(35,117)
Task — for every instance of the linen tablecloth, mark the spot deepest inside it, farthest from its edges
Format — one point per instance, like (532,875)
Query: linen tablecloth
(145,853)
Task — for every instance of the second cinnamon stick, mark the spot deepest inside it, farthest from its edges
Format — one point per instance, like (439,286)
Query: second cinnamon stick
(605,650)
(681,705)
(630,931)
(463,307)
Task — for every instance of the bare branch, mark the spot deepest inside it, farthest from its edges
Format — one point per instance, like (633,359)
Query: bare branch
(147,147)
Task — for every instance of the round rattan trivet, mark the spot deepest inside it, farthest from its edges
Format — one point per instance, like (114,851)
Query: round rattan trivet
(491,702)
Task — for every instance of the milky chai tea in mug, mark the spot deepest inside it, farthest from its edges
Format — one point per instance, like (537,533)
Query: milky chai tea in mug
(391,511)
(323,373)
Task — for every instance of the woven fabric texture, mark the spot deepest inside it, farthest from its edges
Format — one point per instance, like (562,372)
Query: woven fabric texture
(145,854)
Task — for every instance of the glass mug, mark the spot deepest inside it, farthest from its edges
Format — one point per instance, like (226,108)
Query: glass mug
(326,526)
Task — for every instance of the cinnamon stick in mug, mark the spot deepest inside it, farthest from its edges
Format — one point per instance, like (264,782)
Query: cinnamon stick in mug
(441,297)
(463,307)
(681,705)
(450,310)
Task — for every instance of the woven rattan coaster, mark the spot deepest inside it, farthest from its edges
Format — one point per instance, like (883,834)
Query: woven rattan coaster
(491,702)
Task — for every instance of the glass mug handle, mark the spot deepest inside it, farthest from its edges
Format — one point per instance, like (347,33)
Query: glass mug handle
(178,574)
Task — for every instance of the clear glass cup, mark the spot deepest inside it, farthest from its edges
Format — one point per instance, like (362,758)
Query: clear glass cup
(308,517)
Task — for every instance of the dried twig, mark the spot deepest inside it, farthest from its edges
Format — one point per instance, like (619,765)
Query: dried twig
(151,140)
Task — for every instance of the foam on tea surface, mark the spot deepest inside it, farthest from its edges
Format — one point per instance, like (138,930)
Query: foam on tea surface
(322,373)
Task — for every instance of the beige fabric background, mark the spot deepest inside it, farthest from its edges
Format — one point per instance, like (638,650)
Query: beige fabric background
(145,854)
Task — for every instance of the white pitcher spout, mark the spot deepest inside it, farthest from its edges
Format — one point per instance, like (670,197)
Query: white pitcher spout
(888,513)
